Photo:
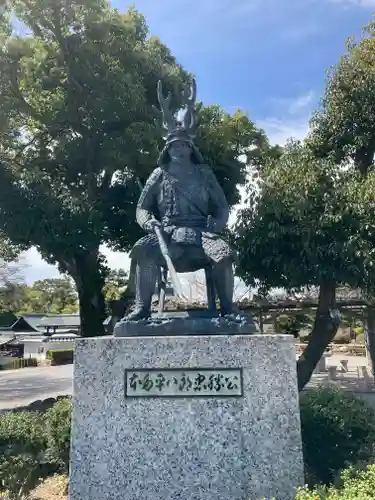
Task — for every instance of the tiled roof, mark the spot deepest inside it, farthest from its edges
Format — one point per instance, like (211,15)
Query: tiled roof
(62,320)
(33,319)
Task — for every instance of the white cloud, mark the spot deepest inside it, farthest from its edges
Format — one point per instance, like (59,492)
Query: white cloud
(279,131)
(301,103)
(368,4)
(291,118)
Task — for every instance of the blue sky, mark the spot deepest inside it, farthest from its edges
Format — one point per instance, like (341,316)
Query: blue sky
(267,57)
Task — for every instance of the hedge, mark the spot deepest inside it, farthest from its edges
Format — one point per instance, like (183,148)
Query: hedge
(60,356)
(17,363)
(338,431)
(58,420)
(355,484)
(33,445)
(22,443)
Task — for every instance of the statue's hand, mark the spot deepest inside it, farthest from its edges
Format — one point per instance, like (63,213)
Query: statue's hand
(150,225)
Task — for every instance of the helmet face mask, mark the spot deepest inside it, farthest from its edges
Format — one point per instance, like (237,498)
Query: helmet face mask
(165,156)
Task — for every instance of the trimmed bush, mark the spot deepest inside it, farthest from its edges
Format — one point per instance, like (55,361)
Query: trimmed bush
(17,363)
(22,432)
(60,356)
(22,447)
(338,430)
(355,485)
(58,420)
(19,475)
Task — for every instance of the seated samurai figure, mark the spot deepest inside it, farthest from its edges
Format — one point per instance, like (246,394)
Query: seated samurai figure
(184,199)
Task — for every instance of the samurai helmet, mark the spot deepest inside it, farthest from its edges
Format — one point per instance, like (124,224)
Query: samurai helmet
(174,129)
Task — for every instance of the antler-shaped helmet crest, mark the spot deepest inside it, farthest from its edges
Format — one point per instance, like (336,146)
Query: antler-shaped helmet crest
(174,129)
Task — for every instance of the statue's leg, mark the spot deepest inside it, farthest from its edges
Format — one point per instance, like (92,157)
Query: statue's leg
(223,278)
(220,257)
(146,254)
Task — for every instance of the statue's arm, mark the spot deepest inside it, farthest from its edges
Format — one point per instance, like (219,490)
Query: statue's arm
(219,199)
(146,202)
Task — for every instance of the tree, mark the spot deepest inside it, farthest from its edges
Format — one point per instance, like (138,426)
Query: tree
(11,288)
(77,126)
(49,296)
(115,282)
(76,101)
(13,297)
(344,126)
(344,129)
(53,296)
(303,229)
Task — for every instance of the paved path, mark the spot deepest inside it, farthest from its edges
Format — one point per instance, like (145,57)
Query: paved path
(22,387)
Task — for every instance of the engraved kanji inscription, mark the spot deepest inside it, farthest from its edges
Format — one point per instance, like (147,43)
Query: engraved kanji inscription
(188,382)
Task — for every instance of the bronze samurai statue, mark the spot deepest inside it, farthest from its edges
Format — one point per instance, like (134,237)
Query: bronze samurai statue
(182,203)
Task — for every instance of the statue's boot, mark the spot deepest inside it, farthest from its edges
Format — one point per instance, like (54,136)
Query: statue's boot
(146,274)
(223,277)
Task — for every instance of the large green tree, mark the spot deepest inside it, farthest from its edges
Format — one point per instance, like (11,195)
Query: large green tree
(76,122)
(301,226)
(76,128)
(343,129)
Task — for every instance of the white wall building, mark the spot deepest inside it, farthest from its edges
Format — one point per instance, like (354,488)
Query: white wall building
(38,347)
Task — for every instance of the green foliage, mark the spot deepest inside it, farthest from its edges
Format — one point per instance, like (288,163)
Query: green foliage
(222,138)
(81,88)
(115,282)
(356,484)
(58,422)
(308,224)
(337,431)
(17,363)
(49,296)
(22,443)
(291,323)
(18,476)
(32,446)
(53,296)
(299,230)
(344,126)
(343,129)
(21,432)
(12,297)
(60,356)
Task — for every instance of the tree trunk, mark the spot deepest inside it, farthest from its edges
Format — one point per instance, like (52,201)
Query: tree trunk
(370,336)
(327,321)
(90,282)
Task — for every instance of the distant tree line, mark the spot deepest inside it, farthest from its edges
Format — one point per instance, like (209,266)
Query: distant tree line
(52,296)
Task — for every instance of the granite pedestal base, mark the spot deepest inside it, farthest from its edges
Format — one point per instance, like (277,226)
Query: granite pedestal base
(238,439)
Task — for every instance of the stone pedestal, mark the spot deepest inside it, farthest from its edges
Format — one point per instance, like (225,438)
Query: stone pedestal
(147,426)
